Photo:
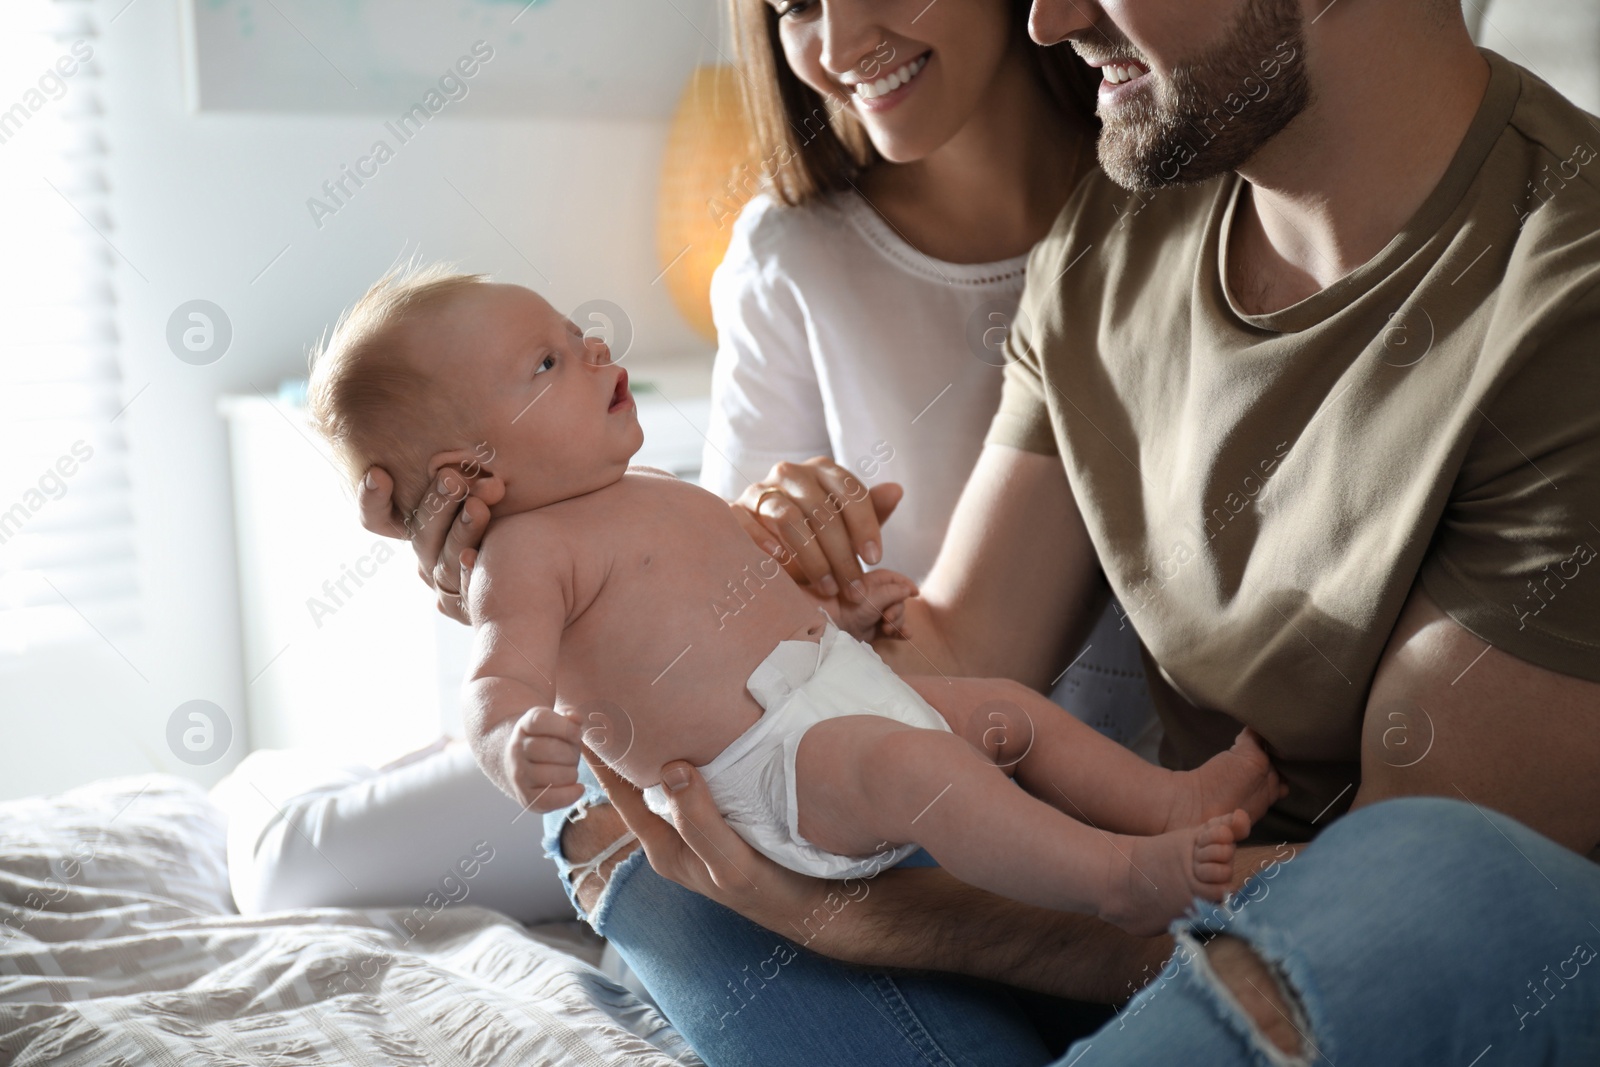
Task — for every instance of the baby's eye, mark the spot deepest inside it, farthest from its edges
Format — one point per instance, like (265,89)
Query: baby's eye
(544,365)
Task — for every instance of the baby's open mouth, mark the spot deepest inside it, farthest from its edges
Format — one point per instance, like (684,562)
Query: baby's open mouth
(619,395)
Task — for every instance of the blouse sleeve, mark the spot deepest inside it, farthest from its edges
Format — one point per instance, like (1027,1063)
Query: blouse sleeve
(766,404)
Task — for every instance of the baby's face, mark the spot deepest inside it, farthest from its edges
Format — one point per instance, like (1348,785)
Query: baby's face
(552,408)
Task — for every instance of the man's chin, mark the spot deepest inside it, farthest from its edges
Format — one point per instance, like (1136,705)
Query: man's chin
(1147,166)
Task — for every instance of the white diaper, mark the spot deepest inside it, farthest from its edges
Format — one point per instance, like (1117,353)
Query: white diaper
(800,684)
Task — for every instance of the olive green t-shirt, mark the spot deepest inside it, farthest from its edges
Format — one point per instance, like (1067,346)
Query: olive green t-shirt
(1264,491)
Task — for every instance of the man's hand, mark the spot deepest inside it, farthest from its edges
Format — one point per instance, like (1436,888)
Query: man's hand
(920,918)
(541,760)
(444,531)
(880,612)
(700,851)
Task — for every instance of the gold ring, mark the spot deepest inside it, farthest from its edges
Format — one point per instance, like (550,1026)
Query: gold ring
(763,496)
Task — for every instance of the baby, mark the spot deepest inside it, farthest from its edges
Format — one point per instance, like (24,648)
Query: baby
(623,609)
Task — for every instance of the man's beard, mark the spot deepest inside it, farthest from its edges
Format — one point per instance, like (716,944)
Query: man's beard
(1216,111)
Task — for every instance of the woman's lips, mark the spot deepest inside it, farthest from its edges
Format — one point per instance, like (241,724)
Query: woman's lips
(619,396)
(909,72)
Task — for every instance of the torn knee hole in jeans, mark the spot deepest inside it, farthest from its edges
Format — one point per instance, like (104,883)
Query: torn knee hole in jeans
(1259,992)
(582,871)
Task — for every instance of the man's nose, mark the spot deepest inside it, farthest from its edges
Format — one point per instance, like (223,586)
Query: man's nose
(1051,22)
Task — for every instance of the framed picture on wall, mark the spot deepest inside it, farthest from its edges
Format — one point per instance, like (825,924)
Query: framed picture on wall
(559,58)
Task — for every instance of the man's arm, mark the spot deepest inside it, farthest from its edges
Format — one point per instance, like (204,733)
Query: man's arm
(915,918)
(1016,584)
(1451,716)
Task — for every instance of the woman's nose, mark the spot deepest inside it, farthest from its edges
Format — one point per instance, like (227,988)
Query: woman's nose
(848,36)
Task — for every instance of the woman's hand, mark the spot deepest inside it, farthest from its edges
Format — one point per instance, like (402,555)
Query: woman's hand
(444,532)
(701,852)
(815,518)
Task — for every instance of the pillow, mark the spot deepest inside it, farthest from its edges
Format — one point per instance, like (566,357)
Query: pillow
(149,843)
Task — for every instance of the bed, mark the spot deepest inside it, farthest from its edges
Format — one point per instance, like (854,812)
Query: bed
(120,945)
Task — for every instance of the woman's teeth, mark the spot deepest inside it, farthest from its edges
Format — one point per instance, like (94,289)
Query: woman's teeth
(873,90)
(1117,73)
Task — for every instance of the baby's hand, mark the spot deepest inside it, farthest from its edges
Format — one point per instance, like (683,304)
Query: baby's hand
(541,760)
(882,609)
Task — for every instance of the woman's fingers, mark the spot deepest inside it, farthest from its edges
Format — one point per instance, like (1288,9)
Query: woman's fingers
(465,532)
(430,525)
(785,516)
(861,521)
(375,498)
(447,526)
(885,496)
(826,517)
(763,537)
(840,514)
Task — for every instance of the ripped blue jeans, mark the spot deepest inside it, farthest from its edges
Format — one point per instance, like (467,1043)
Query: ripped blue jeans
(1420,931)
(1416,931)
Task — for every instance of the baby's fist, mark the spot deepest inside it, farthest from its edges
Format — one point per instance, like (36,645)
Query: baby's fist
(882,609)
(541,760)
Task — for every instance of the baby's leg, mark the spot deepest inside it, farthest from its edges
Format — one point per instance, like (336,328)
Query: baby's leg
(1073,767)
(864,780)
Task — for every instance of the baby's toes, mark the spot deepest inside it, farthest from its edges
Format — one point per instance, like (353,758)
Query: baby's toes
(1215,844)
(1249,745)
(1223,830)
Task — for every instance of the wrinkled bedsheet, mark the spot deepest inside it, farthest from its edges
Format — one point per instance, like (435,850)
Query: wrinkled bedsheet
(119,946)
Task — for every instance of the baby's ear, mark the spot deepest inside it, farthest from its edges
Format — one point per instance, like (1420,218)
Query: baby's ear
(474,464)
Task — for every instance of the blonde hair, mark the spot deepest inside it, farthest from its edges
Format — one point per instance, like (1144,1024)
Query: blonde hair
(368,398)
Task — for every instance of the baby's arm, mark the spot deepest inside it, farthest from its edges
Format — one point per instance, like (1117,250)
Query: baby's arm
(519,602)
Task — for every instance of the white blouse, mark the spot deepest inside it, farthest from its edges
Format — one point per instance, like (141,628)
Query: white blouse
(836,337)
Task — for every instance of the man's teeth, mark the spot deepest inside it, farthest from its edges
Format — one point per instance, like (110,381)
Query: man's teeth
(872,90)
(1117,73)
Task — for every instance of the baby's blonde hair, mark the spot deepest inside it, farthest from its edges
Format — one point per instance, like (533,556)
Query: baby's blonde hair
(367,397)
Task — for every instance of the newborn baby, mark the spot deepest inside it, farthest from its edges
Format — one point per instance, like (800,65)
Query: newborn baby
(623,609)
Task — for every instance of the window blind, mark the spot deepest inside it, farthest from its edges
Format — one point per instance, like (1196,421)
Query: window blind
(67,562)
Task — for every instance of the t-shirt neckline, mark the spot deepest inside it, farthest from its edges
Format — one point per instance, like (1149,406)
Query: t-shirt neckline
(1494,112)
(907,257)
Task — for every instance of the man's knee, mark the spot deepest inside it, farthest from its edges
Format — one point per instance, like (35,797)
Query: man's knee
(585,838)
(1259,991)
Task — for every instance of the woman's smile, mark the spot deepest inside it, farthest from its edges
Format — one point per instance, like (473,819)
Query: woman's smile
(884,93)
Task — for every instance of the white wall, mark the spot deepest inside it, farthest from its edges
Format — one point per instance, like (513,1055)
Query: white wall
(203,203)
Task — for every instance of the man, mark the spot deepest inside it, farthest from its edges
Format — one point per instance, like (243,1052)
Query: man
(1310,382)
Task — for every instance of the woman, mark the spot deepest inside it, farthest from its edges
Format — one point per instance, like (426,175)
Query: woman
(860,313)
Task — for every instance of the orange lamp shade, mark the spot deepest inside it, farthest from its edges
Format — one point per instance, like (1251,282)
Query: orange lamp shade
(707,175)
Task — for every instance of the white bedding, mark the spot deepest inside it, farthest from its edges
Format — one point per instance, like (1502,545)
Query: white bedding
(119,946)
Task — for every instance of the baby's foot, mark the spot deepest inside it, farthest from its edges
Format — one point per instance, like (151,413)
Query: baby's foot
(1242,777)
(1156,877)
